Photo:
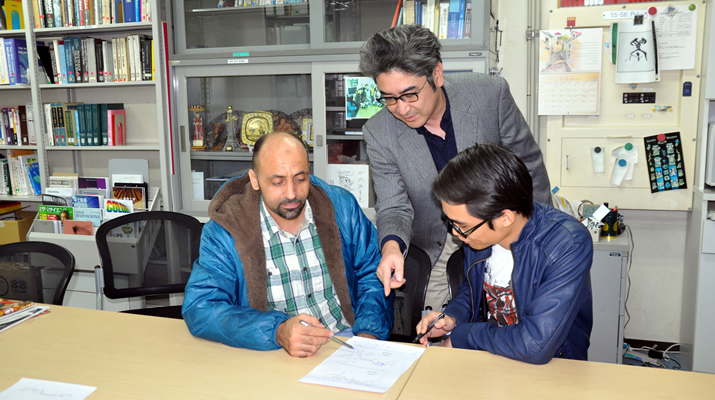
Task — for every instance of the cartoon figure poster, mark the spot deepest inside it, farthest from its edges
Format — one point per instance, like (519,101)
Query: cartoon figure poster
(666,168)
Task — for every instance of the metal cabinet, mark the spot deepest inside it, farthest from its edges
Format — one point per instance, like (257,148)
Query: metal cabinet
(608,285)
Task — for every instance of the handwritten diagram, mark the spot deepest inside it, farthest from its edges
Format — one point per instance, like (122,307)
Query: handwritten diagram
(373,366)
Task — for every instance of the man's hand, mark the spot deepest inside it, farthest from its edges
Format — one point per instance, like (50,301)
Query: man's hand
(392,260)
(366,335)
(440,327)
(300,340)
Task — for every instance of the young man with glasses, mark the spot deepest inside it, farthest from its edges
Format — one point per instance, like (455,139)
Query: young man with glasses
(429,117)
(526,292)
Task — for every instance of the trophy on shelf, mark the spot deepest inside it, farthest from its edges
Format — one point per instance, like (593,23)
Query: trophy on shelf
(255,125)
(231,140)
(197,130)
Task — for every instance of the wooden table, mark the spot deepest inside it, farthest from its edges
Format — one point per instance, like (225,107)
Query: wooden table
(134,357)
(131,357)
(459,374)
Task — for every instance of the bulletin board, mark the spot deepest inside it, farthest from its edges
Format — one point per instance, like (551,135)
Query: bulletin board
(628,113)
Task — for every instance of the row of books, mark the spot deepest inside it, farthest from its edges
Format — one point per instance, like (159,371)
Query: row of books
(17,125)
(13,62)
(246,3)
(20,174)
(79,124)
(448,19)
(69,13)
(75,59)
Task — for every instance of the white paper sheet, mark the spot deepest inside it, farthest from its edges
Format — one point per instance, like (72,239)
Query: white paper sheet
(374,366)
(36,389)
(676,29)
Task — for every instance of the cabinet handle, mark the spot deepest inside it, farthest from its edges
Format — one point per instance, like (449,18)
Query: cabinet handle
(183,138)
(568,162)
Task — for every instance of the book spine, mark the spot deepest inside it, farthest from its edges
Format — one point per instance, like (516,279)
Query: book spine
(69,127)
(6,125)
(97,133)
(11,57)
(22,61)
(108,61)
(82,123)
(85,66)
(49,14)
(55,55)
(91,60)
(77,58)
(37,14)
(55,126)
(4,76)
(103,124)
(63,62)
(69,59)
(468,20)
(99,59)
(453,23)
(115,58)
(129,11)
(146,58)
(32,136)
(22,113)
(462,11)
(57,15)
(443,20)
(48,124)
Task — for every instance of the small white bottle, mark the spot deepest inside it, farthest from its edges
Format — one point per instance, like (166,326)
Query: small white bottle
(619,172)
(599,159)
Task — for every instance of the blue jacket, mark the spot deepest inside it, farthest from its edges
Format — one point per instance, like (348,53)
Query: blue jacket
(552,290)
(226,296)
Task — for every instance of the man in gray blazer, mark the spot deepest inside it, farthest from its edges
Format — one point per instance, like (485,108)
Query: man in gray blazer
(428,119)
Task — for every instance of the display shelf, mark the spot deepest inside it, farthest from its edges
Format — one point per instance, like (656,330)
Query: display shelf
(18,147)
(15,87)
(92,29)
(68,86)
(126,147)
(13,33)
(29,199)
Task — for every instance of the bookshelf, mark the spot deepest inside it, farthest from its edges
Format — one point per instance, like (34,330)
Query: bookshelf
(145,104)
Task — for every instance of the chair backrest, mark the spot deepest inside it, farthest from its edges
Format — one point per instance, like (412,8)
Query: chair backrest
(455,271)
(147,253)
(410,298)
(37,271)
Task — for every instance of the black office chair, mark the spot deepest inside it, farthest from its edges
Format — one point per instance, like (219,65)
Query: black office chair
(147,254)
(455,271)
(410,298)
(37,271)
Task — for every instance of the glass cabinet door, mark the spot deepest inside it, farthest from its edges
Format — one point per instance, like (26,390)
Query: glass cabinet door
(228,24)
(245,28)
(216,143)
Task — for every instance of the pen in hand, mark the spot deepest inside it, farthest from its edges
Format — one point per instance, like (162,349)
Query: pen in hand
(417,339)
(332,337)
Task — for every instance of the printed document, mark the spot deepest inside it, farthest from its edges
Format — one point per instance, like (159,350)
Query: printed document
(36,389)
(374,366)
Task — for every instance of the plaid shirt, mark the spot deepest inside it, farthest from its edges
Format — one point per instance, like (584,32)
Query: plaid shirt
(298,279)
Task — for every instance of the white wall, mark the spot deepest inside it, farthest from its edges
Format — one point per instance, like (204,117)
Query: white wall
(658,259)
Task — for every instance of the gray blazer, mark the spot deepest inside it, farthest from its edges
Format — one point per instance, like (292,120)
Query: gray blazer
(483,111)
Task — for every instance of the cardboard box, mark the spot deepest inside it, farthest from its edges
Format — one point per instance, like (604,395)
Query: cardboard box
(12,231)
(19,281)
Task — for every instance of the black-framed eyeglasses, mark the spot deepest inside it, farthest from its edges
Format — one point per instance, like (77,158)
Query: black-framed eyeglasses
(407,97)
(452,225)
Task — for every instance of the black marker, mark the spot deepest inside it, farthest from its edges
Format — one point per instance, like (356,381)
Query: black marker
(417,339)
